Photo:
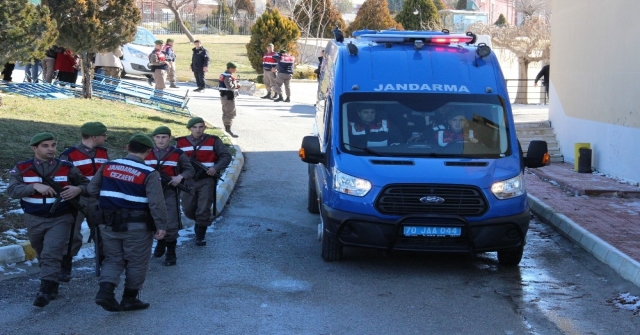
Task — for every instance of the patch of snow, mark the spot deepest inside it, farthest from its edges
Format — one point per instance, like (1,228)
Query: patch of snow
(86,252)
(627,302)
(553,182)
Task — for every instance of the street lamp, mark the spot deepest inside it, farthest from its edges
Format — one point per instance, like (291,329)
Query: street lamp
(417,12)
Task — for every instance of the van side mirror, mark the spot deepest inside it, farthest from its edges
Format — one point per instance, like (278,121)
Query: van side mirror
(310,150)
(537,155)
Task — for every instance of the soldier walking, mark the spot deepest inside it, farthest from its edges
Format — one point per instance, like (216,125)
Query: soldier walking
(132,208)
(158,62)
(88,156)
(269,77)
(171,62)
(209,152)
(285,73)
(48,219)
(177,167)
(228,86)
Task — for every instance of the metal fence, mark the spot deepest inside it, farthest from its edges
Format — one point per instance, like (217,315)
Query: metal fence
(531,95)
(163,23)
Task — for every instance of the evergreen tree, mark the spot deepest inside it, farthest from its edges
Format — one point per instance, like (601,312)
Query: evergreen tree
(26,31)
(439,4)
(428,12)
(373,14)
(462,4)
(318,18)
(105,25)
(246,5)
(271,27)
(502,21)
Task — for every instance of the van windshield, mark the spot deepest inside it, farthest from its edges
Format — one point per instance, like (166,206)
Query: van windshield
(424,125)
(144,37)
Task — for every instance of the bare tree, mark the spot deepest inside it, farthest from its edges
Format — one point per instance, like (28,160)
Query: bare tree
(529,42)
(530,8)
(176,7)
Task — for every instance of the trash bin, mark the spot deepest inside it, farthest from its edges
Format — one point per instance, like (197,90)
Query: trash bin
(576,153)
(584,161)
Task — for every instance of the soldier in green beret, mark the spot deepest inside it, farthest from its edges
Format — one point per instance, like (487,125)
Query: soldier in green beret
(133,212)
(171,62)
(88,156)
(48,219)
(159,66)
(177,168)
(228,86)
(207,151)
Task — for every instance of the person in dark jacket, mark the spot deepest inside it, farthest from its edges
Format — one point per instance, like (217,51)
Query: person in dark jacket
(544,74)
(199,64)
(8,71)
(320,59)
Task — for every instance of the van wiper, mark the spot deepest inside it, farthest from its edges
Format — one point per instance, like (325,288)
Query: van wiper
(367,150)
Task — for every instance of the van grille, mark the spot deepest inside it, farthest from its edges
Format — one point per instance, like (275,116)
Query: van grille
(404,199)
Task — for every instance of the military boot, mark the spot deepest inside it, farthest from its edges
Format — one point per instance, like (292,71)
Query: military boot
(170,258)
(43,297)
(161,247)
(279,98)
(106,297)
(53,290)
(268,96)
(201,231)
(287,100)
(130,301)
(227,128)
(65,270)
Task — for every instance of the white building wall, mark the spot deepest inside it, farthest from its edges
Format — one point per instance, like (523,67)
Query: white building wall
(594,82)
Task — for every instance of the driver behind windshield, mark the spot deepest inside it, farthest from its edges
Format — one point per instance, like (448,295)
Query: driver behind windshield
(370,130)
(458,130)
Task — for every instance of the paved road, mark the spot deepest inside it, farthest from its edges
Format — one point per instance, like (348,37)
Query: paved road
(262,272)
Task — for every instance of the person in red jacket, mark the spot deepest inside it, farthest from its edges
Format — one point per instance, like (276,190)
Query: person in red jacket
(67,65)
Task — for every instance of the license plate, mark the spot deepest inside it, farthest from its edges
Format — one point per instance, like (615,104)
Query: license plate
(432,231)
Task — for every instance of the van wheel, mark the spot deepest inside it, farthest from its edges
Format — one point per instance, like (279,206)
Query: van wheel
(331,251)
(312,197)
(510,257)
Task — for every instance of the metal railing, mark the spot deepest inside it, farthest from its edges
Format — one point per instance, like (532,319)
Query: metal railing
(530,95)
(211,24)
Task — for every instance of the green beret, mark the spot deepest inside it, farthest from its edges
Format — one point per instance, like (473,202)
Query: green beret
(37,138)
(161,130)
(169,40)
(159,42)
(283,51)
(142,139)
(231,65)
(194,121)
(93,128)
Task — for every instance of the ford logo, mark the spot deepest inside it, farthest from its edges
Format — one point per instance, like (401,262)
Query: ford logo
(432,200)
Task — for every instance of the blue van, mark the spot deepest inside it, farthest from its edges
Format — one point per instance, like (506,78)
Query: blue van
(414,148)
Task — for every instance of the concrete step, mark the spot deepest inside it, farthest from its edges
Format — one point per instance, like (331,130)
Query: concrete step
(526,139)
(535,132)
(540,124)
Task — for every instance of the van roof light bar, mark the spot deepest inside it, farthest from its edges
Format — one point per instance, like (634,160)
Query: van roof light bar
(411,36)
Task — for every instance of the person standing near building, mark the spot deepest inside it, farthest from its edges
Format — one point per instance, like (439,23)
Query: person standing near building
(210,152)
(132,207)
(109,63)
(48,219)
(171,62)
(159,65)
(285,73)
(199,64)
(544,74)
(175,164)
(88,156)
(269,77)
(48,63)
(228,87)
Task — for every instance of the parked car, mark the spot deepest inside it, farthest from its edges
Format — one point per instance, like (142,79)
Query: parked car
(136,54)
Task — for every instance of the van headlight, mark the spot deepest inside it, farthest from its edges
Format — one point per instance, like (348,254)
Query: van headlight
(137,53)
(509,188)
(350,185)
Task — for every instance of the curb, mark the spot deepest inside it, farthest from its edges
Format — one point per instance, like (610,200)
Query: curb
(622,264)
(24,252)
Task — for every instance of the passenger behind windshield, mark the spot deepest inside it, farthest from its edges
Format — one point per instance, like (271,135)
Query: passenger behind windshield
(371,130)
(457,131)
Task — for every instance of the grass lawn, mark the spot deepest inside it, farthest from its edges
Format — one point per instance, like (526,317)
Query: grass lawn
(22,117)
(222,49)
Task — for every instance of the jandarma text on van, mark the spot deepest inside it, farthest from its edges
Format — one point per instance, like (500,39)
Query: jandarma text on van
(422,87)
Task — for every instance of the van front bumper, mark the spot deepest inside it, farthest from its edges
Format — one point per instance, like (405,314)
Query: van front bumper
(357,230)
